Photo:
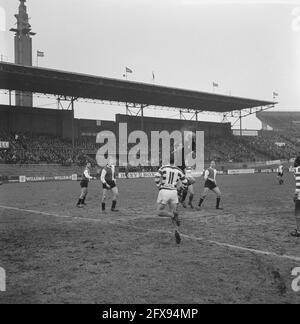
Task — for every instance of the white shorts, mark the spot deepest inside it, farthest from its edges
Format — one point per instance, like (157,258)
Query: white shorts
(166,197)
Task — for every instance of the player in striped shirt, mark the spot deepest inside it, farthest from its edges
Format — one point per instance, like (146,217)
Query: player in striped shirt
(296,232)
(210,175)
(84,183)
(167,179)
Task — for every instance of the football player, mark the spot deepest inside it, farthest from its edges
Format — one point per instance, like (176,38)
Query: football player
(296,232)
(189,189)
(280,174)
(166,180)
(210,175)
(84,183)
(108,180)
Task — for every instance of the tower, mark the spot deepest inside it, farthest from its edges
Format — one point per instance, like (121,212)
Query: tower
(23,49)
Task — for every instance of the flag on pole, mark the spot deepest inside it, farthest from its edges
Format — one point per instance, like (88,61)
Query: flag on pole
(275,94)
(128,70)
(153,76)
(40,54)
(215,85)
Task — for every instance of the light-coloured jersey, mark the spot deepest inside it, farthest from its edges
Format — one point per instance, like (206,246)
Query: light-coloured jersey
(280,169)
(210,174)
(297,179)
(168,177)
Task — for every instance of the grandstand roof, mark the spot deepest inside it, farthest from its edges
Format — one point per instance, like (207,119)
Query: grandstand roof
(60,83)
(280,119)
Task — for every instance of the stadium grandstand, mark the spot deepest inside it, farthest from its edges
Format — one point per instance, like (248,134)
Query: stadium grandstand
(39,135)
(54,136)
(279,120)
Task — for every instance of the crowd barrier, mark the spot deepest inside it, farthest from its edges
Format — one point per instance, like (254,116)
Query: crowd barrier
(54,172)
(131,175)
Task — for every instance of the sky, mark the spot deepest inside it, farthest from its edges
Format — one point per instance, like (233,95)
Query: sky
(250,48)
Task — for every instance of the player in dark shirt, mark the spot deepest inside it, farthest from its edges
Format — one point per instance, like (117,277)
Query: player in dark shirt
(84,183)
(108,180)
(211,184)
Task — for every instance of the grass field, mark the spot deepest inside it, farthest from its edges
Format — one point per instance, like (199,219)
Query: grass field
(55,253)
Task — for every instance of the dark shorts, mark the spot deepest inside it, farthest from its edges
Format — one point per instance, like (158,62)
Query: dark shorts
(280,174)
(112,185)
(84,183)
(210,185)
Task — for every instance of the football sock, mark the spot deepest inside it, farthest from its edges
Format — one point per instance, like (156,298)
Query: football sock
(83,200)
(114,204)
(201,201)
(191,198)
(79,201)
(218,202)
(103,206)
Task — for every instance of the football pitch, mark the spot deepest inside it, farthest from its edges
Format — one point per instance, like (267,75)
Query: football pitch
(53,252)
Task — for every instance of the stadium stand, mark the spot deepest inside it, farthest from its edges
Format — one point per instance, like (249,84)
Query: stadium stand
(28,148)
(279,120)
(45,137)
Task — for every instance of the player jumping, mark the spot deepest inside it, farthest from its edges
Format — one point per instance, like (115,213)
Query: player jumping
(84,183)
(189,189)
(166,180)
(210,175)
(109,183)
(296,232)
(280,174)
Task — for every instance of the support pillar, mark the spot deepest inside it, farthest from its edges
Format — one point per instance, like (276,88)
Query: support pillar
(73,135)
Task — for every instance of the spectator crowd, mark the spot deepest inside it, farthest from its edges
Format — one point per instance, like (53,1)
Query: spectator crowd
(28,148)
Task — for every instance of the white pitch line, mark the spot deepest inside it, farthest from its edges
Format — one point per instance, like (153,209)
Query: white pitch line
(191,237)
(236,247)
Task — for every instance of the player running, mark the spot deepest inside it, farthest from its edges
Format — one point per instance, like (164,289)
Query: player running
(108,180)
(84,183)
(167,179)
(210,175)
(296,232)
(280,174)
(189,189)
